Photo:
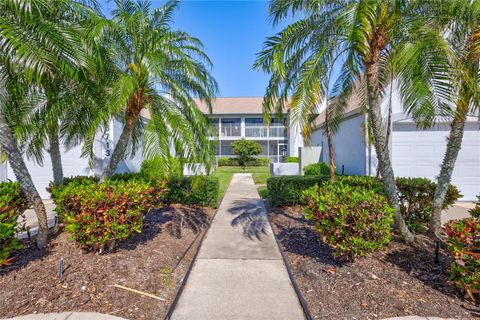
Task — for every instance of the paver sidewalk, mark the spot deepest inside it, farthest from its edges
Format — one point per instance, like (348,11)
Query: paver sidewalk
(239,272)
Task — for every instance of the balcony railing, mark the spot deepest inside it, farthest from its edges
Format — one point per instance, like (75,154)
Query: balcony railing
(256,131)
(277,132)
(265,132)
(230,131)
(251,131)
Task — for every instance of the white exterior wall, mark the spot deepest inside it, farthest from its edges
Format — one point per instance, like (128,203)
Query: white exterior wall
(349,145)
(129,164)
(295,140)
(73,164)
(419,153)
(414,152)
(3,172)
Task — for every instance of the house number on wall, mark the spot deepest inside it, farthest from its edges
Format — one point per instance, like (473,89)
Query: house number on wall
(106,135)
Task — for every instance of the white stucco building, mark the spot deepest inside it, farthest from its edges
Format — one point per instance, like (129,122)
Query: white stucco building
(241,117)
(233,118)
(414,152)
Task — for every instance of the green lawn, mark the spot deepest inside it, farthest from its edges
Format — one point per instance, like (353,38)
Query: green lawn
(225,174)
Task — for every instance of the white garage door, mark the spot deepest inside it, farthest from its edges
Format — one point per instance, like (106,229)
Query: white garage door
(420,154)
(73,165)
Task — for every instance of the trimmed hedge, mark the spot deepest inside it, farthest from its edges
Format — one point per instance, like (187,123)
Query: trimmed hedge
(464,245)
(13,203)
(288,190)
(317,169)
(353,220)
(233,162)
(195,190)
(291,159)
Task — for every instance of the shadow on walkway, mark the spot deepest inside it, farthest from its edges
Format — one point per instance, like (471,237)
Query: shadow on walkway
(251,216)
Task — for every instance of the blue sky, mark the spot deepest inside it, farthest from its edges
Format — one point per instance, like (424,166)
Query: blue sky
(232,33)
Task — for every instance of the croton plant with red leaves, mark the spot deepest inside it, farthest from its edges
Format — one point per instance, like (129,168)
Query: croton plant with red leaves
(464,244)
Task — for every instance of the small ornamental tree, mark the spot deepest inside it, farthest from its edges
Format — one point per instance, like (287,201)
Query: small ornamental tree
(475,212)
(245,150)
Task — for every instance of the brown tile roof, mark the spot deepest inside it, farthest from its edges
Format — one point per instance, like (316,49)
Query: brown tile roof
(234,105)
(221,106)
(353,107)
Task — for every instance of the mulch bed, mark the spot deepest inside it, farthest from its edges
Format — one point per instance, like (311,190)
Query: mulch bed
(154,261)
(401,280)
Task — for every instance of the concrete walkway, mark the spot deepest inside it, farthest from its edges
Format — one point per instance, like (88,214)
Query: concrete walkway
(239,272)
(31,221)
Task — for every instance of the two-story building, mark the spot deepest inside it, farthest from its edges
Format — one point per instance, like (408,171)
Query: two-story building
(242,117)
(233,119)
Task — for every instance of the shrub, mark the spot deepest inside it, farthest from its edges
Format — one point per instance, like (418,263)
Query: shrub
(316,169)
(464,245)
(416,201)
(475,212)
(227,162)
(352,220)
(196,190)
(367,182)
(287,190)
(233,162)
(158,168)
(98,215)
(58,193)
(245,150)
(13,203)
(291,159)
(415,194)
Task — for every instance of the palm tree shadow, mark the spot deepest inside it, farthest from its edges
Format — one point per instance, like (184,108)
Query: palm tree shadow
(299,237)
(251,217)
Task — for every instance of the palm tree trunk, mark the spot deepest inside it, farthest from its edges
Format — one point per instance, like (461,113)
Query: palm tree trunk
(453,148)
(15,158)
(389,129)
(381,148)
(121,147)
(56,157)
(331,150)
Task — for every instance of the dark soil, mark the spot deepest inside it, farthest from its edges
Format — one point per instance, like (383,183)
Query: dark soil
(401,280)
(154,261)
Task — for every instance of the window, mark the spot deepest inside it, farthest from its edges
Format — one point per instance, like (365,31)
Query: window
(226,148)
(277,122)
(257,122)
(231,121)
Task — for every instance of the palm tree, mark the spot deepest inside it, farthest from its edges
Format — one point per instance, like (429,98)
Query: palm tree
(462,36)
(64,116)
(65,94)
(161,71)
(32,47)
(364,39)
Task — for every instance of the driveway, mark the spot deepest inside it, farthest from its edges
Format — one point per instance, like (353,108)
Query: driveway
(458,211)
